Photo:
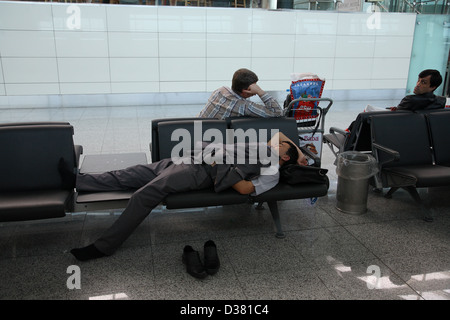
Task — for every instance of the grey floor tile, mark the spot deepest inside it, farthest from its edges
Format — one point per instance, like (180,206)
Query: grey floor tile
(364,280)
(427,273)
(301,214)
(42,237)
(126,275)
(324,245)
(293,284)
(34,277)
(262,254)
(400,237)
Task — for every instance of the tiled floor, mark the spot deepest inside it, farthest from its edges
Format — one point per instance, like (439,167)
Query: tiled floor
(326,254)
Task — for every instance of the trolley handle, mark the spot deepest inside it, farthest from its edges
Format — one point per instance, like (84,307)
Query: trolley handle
(322,110)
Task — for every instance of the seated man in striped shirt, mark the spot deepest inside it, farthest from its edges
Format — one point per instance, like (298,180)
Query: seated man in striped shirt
(232,102)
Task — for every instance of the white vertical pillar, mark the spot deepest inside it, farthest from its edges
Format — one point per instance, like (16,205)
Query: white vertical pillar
(273,4)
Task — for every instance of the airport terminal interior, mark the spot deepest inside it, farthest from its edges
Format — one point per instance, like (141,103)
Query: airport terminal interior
(326,254)
(386,253)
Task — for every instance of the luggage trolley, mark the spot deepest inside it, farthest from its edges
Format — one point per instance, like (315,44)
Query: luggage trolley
(309,116)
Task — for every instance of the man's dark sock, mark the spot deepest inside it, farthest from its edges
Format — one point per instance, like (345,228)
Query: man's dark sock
(67,174)
(87,253)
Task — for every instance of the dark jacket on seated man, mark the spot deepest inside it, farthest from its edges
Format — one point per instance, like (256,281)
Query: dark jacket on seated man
(426,101)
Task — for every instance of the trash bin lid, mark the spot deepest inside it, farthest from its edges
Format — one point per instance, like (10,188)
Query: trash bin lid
(356,165)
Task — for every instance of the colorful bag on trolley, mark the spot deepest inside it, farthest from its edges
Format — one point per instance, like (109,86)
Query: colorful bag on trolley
(305,85)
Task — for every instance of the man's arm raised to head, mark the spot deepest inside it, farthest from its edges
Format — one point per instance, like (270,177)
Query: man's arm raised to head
(280,137)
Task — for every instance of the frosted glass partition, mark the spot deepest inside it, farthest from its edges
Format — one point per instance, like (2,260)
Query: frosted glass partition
(431,48)
(81,49)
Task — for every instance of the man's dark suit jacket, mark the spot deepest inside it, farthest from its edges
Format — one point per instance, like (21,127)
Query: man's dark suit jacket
(422,101)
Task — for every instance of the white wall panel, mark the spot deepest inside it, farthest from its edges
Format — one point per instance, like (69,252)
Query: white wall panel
(270,45)
(27,43)
(393,46)
(355,46)
(83,70)
(228,21)
(81,44)
(281,85)
(179,19)
(85,88)
(79,16)
(25,16)
(328,85)
(2,84)
(213,85)
(353,68)
(355,24)
(316,23)
(31,88)
(396,24)
(134,69)
(182,44)
(133,44)
(353,84)
(323,67)
(30,70)
(390,68)
(222,69)
(134,87)
(387,83)
(273,68)
(274,22)
(183,86)
(182,69)
(228,45)
(75,48)
(314,46)
(132,18)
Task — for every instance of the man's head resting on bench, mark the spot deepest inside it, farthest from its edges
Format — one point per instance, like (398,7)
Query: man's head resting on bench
(287,153)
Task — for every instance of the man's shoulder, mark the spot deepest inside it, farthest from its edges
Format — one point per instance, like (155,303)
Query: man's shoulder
(441,100)
(421,101)
(223,89)
(229,93)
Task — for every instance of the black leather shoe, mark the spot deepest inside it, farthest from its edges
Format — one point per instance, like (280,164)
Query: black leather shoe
(194,266)
(212,262)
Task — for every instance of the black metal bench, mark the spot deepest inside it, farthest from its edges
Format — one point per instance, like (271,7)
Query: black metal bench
(30,184)
(32,187)
(162,145)
(412,150)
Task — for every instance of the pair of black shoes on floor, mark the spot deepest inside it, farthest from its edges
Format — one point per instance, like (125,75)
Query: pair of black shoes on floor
(195,267)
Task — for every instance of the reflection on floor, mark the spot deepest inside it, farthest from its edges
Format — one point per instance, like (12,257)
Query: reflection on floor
(387,253)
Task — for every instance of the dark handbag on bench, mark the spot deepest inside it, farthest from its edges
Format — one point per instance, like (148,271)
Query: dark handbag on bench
(294,174)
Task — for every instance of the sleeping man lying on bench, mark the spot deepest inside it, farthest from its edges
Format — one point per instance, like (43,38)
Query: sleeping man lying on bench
(154,181)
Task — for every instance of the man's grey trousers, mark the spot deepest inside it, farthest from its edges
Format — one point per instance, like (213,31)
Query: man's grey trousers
(153,183)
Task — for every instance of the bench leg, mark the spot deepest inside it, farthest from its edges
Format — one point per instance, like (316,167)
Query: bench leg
(273,206)
(390,192)
(426,211)
(259,206)
(427,216)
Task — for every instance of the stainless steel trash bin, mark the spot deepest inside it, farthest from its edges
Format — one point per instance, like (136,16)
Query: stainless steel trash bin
(354,170)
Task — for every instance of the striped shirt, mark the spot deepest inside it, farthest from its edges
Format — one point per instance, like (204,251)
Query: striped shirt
(224,103)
